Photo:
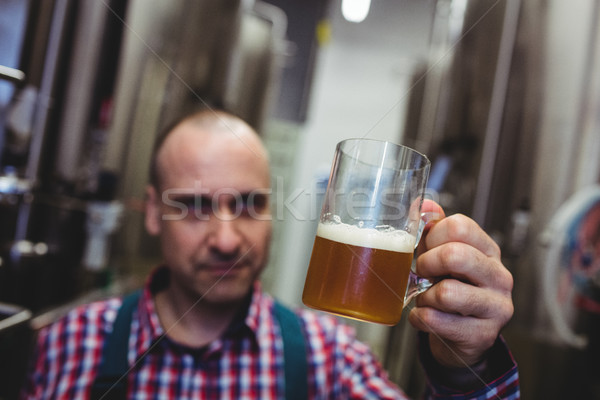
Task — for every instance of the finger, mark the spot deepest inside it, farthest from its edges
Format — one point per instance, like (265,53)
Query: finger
(455,340)
(459,228)
(452,328)
(455,297)
(464,262)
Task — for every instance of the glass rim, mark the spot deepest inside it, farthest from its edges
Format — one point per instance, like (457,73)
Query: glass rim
(427,161)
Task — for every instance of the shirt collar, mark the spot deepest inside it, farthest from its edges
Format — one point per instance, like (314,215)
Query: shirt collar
(252,312)
(150,330)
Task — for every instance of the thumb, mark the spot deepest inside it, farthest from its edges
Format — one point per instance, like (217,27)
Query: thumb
(430,206)
(431,212)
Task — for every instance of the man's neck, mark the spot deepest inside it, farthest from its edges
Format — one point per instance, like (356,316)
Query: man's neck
(193,324)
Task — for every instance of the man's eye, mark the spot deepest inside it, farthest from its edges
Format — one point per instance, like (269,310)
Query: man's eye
(194,205)
(253,203)
(258,202)
(249,204)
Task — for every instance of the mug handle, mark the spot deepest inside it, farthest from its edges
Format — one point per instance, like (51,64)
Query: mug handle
(417,285)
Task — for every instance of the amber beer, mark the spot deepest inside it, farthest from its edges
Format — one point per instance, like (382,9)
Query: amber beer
(359,273)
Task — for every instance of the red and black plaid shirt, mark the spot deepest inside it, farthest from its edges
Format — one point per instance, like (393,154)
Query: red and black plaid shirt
(245,363)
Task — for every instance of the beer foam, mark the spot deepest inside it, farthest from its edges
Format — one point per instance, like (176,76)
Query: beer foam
(392,240)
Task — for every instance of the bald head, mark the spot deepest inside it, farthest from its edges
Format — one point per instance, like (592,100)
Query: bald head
(207,129)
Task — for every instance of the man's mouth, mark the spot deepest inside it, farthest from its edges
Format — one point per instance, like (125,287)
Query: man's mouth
(222,268)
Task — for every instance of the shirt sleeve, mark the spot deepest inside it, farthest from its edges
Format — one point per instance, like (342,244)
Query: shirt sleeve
(364,376)
(33,383)
(342,367)
(496,377)
(67,354)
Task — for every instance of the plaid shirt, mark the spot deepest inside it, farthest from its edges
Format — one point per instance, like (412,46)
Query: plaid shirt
(245,363)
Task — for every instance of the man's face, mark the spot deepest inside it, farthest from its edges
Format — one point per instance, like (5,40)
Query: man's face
(211,212)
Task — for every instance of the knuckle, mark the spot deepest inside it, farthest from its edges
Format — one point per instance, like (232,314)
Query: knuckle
(506,280)
(446,291)
(427,317)
(509,277)
(494,250)
(508,310)
(502,310)
(452,254)
(510,281)
(458,226)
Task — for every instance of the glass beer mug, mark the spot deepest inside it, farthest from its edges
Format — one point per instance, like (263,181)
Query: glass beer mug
(369,227)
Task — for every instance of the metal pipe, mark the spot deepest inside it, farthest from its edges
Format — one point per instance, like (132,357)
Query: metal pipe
(497,103)
(79,92)
(11,74)
(46,87)
(42,108)
(16,315)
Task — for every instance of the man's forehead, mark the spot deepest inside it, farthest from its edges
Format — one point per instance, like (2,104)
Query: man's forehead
(218,136)
(215,160)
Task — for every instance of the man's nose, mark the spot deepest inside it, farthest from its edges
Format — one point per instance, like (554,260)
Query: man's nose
(225,236)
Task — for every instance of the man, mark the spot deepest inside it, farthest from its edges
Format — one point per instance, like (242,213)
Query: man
(203,328)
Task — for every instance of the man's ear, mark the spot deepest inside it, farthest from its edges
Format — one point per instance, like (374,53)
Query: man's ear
(153,213)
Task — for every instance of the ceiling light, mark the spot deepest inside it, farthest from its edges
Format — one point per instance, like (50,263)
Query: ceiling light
(355,10)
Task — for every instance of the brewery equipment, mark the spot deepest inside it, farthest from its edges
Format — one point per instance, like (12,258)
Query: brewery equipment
(96,81)
(508,106)
(92,83)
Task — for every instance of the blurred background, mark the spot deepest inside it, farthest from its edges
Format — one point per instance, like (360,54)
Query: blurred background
(502,95)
